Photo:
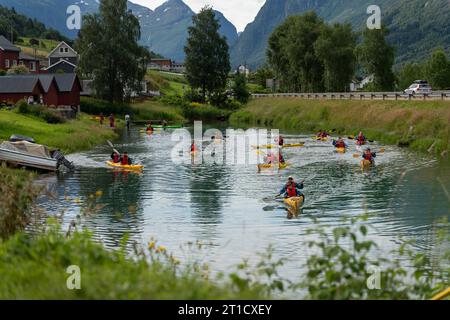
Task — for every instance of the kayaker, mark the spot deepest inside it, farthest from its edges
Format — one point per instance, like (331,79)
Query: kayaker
(369,155)
(291,189)
(281,158)
(127,121)
(340,143)
(193,147)
(111,121)
(125,159)
(361,139)
(270,158)
(280,141)
(149,127)
(115,157)
(322,134)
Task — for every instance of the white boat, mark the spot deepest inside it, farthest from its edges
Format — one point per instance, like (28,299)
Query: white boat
(27,154)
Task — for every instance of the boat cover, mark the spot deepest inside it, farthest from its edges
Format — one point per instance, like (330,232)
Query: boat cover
(33,149)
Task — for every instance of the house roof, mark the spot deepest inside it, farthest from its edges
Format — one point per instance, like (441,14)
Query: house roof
(18,84)
(66,81)
(23,56)
(6,45)
(58,46)
(59,62)
(46,81)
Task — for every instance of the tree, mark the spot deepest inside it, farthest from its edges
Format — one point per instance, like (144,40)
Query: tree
(336,49)
(377,57)
(207,58)
(292,56)
(437,70)
(262,74)
(240,89)
(110,53)
(408,74)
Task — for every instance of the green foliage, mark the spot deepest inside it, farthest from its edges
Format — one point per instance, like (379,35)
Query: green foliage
(98,106)
(2,73)
(240,90)
(336,49)
(377,58)
(262,74)
(437,70)
(207,59)
(110,53)
(39,111)
(19,69)
(23,26)
(408,74)
(344,266)
(18,193)
(203,112)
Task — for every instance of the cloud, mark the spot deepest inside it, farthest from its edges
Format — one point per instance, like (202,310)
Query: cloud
(239,12)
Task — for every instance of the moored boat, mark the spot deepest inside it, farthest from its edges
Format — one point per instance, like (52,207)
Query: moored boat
(27,154)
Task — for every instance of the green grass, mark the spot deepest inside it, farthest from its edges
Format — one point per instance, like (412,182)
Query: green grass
(155,110)
(44,48)
(418,124)
(34,267)
(75,135)
(167,83)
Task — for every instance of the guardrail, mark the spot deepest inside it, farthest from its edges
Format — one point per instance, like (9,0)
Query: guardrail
(439,95)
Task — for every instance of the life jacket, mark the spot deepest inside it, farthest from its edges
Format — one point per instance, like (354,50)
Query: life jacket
(340,144)
(361,138)
(368,157)
(193,147)
(149,129)
(291,190)
(281,159)
(116,158)
(125,160)
(281,141)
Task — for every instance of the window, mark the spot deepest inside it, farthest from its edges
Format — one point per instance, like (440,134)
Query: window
(7,65)
(61,50)
(66,50)
(32,66)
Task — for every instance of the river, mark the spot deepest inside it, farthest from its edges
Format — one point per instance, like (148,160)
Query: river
(224,206)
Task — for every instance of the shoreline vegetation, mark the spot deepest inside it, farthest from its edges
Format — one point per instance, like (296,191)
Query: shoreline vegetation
(420,126)
(70,136)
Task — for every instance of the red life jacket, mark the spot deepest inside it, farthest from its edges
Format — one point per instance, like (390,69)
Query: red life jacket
(361,138)
(281,141)
(193,148)
(125,160)
(116,158)
(291,190)
(368,157)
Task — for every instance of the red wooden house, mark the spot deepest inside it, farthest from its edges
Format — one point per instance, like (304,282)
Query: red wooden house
(11,56)
(13,89)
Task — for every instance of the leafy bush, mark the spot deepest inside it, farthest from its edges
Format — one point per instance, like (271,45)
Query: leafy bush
(173,100)
(97,106)
(193,96)
(42,112)
(18,193)
(203,112)
(2,72)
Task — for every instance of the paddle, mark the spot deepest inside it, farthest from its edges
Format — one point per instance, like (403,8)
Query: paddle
(112,146)
(357,155)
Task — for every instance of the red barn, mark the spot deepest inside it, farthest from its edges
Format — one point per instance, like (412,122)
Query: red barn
(69,89)
(14,89)
(9,54)
(51,89)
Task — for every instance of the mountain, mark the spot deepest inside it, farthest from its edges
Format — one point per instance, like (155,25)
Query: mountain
(417,26)
(164,30)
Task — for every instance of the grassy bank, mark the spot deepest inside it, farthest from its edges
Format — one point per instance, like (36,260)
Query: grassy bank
(156,110)
(72,136)
(417,124)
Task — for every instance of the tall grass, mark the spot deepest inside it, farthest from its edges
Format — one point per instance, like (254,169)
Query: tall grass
(75,135)
(416,124)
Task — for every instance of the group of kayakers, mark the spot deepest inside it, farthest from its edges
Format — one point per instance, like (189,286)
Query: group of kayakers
(124,159)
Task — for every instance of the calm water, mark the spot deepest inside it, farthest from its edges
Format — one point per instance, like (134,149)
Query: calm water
(223,206)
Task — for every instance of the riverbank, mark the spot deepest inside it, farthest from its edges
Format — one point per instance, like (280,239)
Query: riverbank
(72,136)
(418,125)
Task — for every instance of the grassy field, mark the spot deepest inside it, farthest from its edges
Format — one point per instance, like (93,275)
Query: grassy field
(418,124)
(44,48)
(167,83)
(75,135)
(155,110)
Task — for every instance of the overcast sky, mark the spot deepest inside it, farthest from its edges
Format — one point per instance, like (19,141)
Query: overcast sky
(239,12)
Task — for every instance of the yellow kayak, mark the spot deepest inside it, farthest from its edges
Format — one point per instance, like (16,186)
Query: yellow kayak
(341,150)
(125,167)
(270,166)
(294,204)
(321,139)
(293,145)
(366,164)
(265,146)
